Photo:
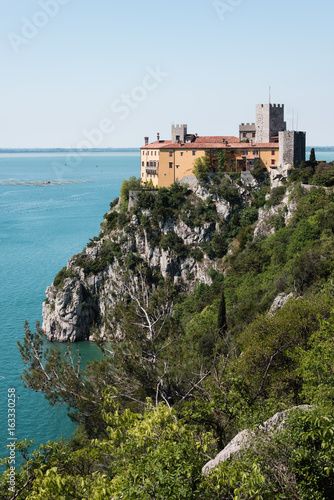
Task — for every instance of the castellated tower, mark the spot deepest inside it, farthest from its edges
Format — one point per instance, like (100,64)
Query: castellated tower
(269,122)
(179,133)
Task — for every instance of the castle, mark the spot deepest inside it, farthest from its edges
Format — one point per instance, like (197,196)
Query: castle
(267,141)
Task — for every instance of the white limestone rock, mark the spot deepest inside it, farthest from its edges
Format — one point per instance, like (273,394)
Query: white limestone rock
(246,437)
(279,302)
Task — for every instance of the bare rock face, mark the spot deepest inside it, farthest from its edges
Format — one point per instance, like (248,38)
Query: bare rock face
(68,313)
(265,225)
(246,437)
(279,302)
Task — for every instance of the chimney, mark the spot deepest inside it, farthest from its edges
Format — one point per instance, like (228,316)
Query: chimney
(158,137)
(146,140)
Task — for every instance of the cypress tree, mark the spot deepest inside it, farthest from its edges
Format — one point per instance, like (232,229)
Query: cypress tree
(312,156)
(221,320)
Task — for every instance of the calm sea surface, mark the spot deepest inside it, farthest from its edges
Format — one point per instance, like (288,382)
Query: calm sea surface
(41,227)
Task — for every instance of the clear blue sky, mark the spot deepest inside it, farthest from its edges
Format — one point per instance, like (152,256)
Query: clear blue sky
(89,55)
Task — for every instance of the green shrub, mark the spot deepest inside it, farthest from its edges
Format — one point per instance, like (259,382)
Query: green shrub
(276,196)
(62,276)
(197,254)
(171,241)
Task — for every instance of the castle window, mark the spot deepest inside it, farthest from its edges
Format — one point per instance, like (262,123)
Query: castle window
(245,152)
(142,163)
(194,152)
(273,162)
(255,152)
(155,153)
(170,164)
(244,134)
(151,153)
(272,152)
(253,134)
(181,153)
(170,153)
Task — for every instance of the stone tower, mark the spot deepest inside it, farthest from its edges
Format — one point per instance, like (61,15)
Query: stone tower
(292,149)
(179,133)
(269,122)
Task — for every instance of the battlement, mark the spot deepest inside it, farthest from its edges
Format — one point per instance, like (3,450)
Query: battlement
(247,125)
(278,106)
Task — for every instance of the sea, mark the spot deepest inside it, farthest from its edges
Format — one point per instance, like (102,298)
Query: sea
(50,206)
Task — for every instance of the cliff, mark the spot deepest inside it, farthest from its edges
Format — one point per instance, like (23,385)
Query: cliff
(178,235)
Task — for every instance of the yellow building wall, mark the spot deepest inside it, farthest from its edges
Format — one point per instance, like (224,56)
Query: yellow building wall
(266,157)
(147,156)
(182,164)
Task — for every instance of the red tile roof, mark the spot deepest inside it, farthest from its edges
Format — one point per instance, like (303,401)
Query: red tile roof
(211,142)
(258,145)
(156,145)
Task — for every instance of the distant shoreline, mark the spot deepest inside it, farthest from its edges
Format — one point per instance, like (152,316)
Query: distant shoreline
(321,148)
(113,150)
(71,150)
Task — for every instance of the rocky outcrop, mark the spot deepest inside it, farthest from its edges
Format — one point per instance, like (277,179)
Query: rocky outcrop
(83,297)
(247,437)
(279,302)
(268,217)
(68,313)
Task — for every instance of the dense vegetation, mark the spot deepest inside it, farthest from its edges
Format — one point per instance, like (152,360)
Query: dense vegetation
(192,370)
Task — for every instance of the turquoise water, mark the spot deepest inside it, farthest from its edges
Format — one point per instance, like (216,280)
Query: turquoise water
(41,227)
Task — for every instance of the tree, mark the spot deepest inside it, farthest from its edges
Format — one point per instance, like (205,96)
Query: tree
(221,320)
(132,184)
(221,155)
(156,455)
(63,381)
(143,358)
(202,167)
(312,157)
